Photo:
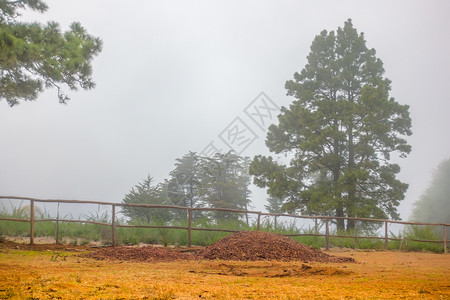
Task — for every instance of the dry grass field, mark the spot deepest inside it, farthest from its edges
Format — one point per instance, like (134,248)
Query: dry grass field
(59,273)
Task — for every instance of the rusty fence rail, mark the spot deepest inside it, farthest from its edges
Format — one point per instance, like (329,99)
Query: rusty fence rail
(189,228)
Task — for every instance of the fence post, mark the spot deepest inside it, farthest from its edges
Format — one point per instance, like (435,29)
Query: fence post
(386,237)
(113,225)
(327,235)
(445,239)
(31,222)
(189,227)
(57,226)
(356,234)
(259,221)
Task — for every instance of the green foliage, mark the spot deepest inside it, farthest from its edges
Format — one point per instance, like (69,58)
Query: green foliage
(83,233)
(221,181)
(205,238)
(433,204)
(316,242)
(340,132)
(177,237)
(225,184)
(9,9)
(146,193)
(419,232)
(274,206)
(35,56)
(184,184)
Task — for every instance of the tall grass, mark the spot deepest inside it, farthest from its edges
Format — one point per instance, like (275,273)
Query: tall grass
(178,237)
(85,232)
(419,232)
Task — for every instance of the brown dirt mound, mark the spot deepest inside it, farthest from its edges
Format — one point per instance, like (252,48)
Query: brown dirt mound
(241,246)
(258,245)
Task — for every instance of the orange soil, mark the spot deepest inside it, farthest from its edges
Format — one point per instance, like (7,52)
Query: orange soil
(58,273)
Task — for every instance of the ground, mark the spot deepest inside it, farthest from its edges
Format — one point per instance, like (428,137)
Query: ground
(65,272)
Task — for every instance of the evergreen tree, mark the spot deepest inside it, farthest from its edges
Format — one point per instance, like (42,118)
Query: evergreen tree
(146,193)
(340,132)
(274,206)
(221,181)
(225,184)
(35,56)
(184,184)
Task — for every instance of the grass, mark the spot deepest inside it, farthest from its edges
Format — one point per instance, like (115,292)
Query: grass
(84,233)
(419,232)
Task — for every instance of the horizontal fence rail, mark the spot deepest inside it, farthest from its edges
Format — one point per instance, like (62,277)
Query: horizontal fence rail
(189,228)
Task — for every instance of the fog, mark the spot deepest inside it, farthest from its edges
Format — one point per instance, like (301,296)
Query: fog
(173,75)
(433,201)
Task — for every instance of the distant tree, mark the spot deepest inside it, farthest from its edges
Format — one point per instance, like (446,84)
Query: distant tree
(35,56)
(146,193)
(340,132)
(184,184)
(274,206)
(433,205)
(225,183)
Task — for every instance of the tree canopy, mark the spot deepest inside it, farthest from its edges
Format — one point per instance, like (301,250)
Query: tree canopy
(184,184)
(225,183)
(221,181)
(34,56)
(146,192)
(434,202)
(339,134)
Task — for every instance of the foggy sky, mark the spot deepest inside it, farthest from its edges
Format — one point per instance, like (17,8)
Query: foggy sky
(174,74)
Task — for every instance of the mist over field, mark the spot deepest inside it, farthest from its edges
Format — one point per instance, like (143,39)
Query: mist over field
(174,76)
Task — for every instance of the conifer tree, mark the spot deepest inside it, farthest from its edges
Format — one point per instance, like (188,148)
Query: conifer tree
(146,192)
(340,131)
(225,184)
(34,56)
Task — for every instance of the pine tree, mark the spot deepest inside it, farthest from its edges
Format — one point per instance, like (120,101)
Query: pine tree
(340,131)
(225,184)
(274,206)
(35,56)
(184,184)
(146,193)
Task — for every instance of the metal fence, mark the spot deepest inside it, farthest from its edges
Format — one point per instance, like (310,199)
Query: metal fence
(107,215)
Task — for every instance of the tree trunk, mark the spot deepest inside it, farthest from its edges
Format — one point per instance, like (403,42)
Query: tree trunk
(340,204)
(336,175)
(351,183)
(351,225)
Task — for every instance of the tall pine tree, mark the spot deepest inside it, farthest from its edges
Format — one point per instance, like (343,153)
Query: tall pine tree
(340,132)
